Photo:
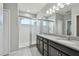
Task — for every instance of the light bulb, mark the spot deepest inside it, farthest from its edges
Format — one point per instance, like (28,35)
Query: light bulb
(57,8)
(47,12)
(62,5)
(59,4)
(54,7)
(50,9)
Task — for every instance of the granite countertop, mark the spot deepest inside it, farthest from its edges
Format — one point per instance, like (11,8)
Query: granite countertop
(64,41)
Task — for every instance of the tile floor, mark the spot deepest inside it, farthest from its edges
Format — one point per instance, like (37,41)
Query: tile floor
(28,51)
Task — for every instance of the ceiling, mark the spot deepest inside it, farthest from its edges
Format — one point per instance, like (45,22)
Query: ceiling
(41,8)
(33,8)
(65,9)
(60,11)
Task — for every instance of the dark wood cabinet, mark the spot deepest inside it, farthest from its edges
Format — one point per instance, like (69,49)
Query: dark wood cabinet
(41,46)
(49,48)
(46,53)
(38,42)
(46,48)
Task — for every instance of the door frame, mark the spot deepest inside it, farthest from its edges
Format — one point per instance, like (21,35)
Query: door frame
(7,10)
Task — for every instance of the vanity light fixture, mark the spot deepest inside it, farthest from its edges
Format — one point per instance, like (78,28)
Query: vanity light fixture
(56,7)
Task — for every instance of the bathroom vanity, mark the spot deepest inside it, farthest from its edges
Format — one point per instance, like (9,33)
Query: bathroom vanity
(49,45)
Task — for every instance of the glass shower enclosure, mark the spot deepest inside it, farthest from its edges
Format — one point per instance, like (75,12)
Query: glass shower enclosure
(29,28)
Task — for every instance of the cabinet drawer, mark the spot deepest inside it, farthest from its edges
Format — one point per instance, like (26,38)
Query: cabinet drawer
(41,46)
(38,43)
(52,51)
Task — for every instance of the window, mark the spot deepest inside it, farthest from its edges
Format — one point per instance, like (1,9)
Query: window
(24,21)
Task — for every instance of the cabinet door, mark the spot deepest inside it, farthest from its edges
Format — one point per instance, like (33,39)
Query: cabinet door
(45,46)
(41,46)
(45,53)
(37,43)
(53,51)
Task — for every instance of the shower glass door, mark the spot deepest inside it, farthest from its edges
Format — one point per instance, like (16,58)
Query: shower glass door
(24,32)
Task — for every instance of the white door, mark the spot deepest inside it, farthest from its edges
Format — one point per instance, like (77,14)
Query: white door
(6,41)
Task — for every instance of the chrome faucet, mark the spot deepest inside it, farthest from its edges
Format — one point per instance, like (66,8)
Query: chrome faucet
(69,37)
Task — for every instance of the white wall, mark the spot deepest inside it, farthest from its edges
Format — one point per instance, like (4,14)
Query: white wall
(14,34)
(1,29)
(74,13)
